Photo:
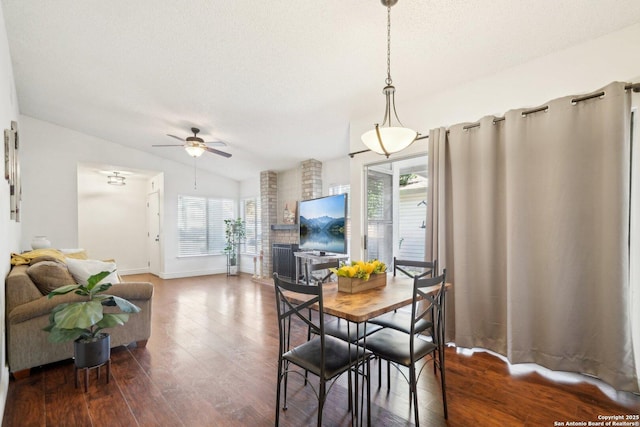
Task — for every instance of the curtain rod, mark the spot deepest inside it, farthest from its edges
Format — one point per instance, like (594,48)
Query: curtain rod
(633,86)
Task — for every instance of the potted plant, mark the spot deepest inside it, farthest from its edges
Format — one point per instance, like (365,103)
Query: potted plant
(360,275)
(234,232)
(83,321)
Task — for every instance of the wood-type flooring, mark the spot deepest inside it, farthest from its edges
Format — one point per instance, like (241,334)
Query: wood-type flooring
(211,361)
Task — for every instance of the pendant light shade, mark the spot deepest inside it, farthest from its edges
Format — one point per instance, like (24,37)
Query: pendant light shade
(389,138)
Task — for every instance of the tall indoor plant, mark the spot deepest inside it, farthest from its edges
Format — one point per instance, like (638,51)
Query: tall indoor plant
(234,232)
(83,321)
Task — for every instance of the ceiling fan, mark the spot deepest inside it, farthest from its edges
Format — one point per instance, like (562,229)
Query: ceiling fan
(195,146)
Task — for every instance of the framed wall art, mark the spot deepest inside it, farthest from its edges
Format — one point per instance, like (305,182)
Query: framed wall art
(12,169)
(8,156)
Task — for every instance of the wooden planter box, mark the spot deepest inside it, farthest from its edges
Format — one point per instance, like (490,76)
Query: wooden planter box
(353,285)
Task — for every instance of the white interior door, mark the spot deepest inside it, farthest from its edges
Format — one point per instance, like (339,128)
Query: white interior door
(153,215)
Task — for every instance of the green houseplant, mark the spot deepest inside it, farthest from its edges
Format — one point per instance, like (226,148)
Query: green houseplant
(83,321)
(234,232)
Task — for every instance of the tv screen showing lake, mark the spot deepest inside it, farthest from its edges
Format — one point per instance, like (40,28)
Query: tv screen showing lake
(322,224)
(329,238)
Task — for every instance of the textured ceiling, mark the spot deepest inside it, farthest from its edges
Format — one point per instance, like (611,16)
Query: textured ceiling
(277,80)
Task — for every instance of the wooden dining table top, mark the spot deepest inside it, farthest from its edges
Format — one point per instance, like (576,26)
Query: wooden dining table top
(365,305)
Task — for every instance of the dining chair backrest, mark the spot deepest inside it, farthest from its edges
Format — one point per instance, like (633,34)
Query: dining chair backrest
(309,269)
(297,310)
(427,268)
(427,302)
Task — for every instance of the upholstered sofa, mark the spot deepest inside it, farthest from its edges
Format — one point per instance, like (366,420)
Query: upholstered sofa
(27,312)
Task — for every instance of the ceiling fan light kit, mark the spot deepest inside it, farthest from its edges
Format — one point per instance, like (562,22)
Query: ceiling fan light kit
(194,150)
(389,138)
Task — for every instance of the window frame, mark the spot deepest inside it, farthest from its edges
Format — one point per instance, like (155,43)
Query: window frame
(256,229)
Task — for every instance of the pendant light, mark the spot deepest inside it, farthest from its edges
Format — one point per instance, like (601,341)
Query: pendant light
(389,138)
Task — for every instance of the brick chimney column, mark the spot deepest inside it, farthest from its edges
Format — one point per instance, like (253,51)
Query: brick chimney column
(311,179)
(268,212)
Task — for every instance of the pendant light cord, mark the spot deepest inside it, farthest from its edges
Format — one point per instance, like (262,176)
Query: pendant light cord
(388,81)
(195,174)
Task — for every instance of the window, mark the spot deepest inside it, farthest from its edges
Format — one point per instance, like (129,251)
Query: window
(253,224)
(339,189)
(380,215)
(201,225)
(396,209)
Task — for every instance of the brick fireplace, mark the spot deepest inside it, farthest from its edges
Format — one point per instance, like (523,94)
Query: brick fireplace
(303,185)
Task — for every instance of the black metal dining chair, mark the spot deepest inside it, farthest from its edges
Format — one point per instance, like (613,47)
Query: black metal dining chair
(325,267)
(325,356)
(406,349)
(413,269)
(401,319)
(339,328)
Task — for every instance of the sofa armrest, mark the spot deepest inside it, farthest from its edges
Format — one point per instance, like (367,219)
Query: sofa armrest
(19,288)
(132,291)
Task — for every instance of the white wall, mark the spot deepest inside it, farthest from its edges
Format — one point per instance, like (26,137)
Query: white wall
(580,69)
(250,187)
(9,230)
(335,172)
(50,195)
(289,190)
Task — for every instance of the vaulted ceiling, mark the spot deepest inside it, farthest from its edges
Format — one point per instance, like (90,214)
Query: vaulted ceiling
(278,81)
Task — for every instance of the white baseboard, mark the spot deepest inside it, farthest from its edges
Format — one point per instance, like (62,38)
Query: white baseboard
(125,272)
(182,274)
(4,389)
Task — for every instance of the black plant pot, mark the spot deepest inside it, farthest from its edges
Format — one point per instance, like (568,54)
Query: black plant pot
(94,353)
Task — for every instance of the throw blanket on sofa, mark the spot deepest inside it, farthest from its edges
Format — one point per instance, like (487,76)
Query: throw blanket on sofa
(26,257)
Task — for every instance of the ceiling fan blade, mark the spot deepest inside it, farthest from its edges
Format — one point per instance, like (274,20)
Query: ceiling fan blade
(217,143)
(218,152)
(169,145)
(178,138)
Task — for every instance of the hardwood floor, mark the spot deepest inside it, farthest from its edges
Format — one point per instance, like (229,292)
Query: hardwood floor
(211,361)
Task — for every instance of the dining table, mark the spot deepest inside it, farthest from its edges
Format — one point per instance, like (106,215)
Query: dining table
(360,307)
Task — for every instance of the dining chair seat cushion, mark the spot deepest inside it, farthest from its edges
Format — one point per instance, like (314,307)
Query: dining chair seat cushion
(339,356)
(351,333)
(401,321)
(393,345)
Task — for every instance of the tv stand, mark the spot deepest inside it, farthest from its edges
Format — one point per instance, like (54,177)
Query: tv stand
(314,257)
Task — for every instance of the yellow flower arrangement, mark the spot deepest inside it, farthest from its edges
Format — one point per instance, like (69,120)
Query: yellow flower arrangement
(360,269)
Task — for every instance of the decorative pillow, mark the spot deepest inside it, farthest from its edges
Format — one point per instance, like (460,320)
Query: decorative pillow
(82,269)
(45,258)
(50,275)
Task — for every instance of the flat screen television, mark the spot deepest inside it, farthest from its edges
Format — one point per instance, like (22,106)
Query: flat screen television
(322,224)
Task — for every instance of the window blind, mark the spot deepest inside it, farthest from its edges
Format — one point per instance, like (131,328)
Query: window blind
(201,225)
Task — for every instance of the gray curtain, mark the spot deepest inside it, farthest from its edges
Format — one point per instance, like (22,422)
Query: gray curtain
(438,230)
(534,226)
